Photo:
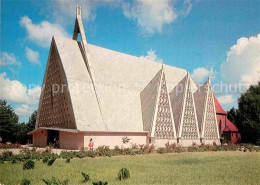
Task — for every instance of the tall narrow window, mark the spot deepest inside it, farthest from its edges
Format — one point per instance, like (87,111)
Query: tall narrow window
(220,125)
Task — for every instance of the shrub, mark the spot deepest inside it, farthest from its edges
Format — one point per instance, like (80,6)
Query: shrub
(66,155)
(55,181)
(1,161)
(7,155)
(51,161)
(90,154)
(28,165)
(123,174)
(68,160)
(193,148)
(14,161)
(103,151)
(86,176)
(26,182)
(145,149)
(125,140)
(178,149)
(151,149)
(161,150)
(9,145)
(80,155)
(45,159)
(100,183)
(47,181)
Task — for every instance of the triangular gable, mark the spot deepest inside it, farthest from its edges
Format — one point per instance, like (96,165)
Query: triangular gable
(163,124)
(156,108)
(184,110)
(207,112)
(55,107)
(82,94)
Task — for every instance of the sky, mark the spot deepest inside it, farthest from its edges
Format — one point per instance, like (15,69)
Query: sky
(216,38)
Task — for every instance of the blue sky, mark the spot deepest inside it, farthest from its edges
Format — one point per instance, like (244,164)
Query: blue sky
(208,38)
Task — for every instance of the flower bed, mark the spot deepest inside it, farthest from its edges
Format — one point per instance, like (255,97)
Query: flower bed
(9,145)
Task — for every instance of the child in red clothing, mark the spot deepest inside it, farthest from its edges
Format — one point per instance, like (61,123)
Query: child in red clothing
(91,144)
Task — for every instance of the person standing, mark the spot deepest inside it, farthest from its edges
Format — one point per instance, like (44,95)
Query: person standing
(91,144)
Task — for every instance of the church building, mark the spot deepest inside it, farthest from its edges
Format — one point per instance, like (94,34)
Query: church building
(90,92)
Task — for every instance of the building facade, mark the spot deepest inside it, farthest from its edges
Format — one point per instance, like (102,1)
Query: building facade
(227,130)
(93,92)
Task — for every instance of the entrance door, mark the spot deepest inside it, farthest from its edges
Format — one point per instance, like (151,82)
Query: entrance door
(226,137)
(53,138)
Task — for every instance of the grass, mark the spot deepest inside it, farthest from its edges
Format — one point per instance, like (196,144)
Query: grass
(178,168)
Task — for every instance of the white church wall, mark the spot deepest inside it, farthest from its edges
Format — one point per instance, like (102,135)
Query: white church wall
(186,143)
(111,140)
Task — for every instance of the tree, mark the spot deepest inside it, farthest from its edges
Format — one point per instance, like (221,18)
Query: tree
(231,114)
(31,124)
(247,116)
(32,121)
(8,122)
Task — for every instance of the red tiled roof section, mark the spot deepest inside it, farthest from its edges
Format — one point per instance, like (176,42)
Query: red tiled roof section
(231,126)
(218,107)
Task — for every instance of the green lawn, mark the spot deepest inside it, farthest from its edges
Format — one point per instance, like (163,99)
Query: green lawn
(178,168)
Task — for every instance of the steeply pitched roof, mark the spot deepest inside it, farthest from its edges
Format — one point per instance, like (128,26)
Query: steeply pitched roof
(200,102)
(84,104)
(230,127)
(218,107)
(119,81)
(148,101)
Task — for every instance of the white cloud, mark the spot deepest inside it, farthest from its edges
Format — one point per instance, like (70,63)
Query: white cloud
(151,55)
(151,16)
(32,56)
(242,65)
(187,6)
(225,99)
(24,110)
(8,59)
(42,33)
(200,74)
(15,91)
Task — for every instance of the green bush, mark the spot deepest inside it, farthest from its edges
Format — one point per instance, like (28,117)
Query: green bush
(68,160)
(45,159)
(1,161)
(55,181)
(66,155)
(51,161)
(103,151)
(28,165)
(80,154)
(7,155)
(90,154)
(161,150)
(47,181)
(100,183)
(86,176)
(123,174)
(25,182)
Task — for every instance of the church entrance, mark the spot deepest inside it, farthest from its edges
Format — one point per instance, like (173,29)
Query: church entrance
(226,137)
(53,138)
